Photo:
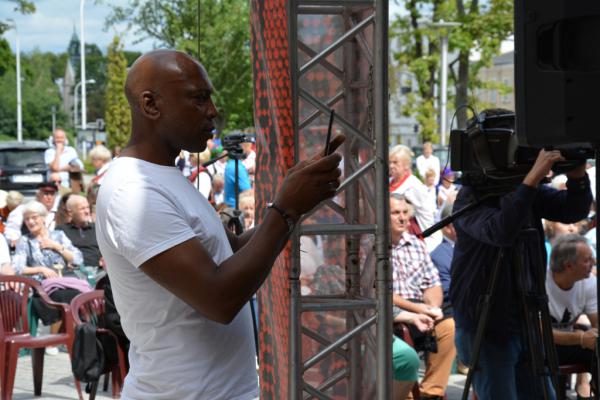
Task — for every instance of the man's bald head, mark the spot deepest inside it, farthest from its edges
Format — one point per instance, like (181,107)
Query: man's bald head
(153,70)
(169,94)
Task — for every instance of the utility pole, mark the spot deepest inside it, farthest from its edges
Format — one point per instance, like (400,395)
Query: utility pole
(445,29)
(83,100)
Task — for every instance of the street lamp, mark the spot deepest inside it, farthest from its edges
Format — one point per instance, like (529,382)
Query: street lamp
(19,112)
(82,83)
(445,28)
(82,51)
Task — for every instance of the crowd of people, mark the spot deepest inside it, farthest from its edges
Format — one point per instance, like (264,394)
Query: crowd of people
(423,273)
(155,183)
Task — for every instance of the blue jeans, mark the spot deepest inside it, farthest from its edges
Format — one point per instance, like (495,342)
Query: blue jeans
(502,372)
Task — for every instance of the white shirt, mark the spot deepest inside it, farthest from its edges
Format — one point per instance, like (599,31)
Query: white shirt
(4,251)
(416,192)
(431,162)
(69,154)
(144,209)
(567,305)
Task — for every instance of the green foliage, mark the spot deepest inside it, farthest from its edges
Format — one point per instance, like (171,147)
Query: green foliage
(224,45)
(117,118)
(95,68)
(7,60)
(484,25)
(39,95)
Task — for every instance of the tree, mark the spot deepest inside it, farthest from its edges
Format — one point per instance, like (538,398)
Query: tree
(39,95)
(484,25)
(224,45)
(117,118)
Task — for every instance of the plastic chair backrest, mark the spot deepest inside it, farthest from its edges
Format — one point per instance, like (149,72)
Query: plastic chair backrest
(14,297)
(89,307)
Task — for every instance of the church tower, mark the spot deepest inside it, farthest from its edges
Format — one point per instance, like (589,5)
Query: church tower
(71,74)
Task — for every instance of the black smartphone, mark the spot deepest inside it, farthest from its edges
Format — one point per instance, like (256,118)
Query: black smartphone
(328,139)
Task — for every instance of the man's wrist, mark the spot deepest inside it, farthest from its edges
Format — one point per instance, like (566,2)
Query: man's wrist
(291,222)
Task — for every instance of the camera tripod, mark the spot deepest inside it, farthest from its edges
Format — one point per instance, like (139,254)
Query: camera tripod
(534,315)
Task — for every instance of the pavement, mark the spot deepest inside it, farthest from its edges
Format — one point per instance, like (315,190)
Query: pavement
(58,382)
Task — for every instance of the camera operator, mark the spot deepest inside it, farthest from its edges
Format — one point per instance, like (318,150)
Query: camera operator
(481,233)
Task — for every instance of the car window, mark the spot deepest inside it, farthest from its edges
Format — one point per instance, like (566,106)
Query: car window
(22,158)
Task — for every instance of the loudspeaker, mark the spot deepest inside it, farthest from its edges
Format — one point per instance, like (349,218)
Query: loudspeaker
(557,72)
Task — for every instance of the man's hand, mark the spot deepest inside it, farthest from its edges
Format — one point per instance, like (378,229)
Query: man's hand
(543,165)
(60,147)
(423,322)
(310,182)
(588,339)
(433,312)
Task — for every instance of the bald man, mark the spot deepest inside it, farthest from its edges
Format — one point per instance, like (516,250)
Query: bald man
(181,282)
(62,158)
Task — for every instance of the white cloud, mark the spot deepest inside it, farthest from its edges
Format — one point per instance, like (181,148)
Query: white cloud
(51,26)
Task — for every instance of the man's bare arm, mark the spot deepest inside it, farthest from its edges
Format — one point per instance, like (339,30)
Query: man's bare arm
(433,296)
(220,291)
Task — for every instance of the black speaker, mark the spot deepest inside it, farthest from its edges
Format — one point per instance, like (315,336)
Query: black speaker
(557,72)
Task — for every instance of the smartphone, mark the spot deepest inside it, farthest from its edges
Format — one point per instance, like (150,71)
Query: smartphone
(328,139)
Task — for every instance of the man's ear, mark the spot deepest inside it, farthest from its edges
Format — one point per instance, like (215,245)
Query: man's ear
(148,105)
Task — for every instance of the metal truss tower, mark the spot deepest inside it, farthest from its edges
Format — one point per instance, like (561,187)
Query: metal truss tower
(352,63)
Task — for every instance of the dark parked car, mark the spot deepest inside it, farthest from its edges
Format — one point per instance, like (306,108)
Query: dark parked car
(22,165)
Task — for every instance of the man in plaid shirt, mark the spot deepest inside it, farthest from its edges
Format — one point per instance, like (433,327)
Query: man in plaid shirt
(417,288)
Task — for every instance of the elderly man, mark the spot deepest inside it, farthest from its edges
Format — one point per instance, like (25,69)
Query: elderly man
(181,282)
(427,161)
(572,293)
(417,289)
(81,231)
(47,195)
(403,182)
(62,158)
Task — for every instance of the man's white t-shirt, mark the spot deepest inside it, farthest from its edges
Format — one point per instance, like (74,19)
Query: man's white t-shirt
(567,305)
(68,155)
(416,192)
(426,163)
(144,209)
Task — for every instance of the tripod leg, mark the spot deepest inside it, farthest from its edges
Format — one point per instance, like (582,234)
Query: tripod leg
(535,317)
(483,320)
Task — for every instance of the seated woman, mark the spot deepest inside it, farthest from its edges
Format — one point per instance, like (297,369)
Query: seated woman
(44,254)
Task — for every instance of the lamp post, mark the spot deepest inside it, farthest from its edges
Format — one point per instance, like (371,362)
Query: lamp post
(82,51)
(19,111)
(81,83)
(445,28)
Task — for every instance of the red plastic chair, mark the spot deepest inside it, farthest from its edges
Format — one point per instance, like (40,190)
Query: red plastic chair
(89,307)
(14,335)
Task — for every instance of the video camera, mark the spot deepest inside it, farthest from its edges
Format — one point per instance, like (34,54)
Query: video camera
(232,144)
(488,152)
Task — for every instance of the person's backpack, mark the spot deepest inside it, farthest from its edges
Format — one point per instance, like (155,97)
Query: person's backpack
(88,358)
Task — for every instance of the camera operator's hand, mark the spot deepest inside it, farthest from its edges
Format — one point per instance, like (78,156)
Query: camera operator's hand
(543,165)
(310,182)
(588,339)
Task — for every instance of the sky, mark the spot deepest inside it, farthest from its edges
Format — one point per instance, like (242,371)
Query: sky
(51,26)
